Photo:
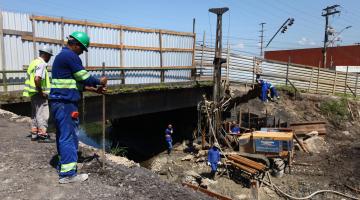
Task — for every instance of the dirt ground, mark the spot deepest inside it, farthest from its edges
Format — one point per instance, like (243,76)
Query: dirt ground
(334,167)
(27,172)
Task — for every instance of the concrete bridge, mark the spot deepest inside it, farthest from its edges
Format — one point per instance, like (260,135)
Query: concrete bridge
(126,100)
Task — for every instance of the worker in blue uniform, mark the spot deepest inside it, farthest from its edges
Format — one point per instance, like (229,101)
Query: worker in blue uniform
(273,92)
(235,129)
(69,79)
(214,159)
(267,87)
(264,90)
(168,137)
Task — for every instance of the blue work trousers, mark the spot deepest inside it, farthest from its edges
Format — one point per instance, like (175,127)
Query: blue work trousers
(273,92)
(264,90)
(213,166)
(67,141)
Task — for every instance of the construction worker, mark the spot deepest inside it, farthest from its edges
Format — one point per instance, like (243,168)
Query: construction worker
(273,93)
(264,90)
(168,132)
(37,87)
(69,79)
(214,159)
(235,129)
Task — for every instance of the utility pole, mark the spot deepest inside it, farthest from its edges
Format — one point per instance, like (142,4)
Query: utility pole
(218,49)
(262,39)
(328,11)
(217,66)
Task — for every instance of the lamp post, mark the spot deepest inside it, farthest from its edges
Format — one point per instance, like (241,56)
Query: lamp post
(337,36)
(283,28)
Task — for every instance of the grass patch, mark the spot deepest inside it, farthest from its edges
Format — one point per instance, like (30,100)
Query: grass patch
(119,151)
(288,89)
(336,110)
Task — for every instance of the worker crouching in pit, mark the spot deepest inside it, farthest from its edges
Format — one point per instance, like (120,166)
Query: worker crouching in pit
(214,159)
(69,79)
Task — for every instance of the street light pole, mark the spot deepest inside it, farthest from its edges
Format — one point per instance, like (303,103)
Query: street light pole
(289,22)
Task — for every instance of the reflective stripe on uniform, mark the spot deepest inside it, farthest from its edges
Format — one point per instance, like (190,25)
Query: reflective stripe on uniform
(81,75)
(64,83)
(68,167)
(30,87)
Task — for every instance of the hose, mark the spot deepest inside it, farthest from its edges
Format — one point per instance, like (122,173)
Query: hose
(273,186)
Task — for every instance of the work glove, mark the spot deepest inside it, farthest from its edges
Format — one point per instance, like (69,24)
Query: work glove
(208,163)
(219,163)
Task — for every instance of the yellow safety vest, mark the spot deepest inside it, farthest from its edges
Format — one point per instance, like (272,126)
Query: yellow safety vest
(30,87)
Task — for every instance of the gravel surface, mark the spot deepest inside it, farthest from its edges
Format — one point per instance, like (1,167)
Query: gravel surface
(27,172)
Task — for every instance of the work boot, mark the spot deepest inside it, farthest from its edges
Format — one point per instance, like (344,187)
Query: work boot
(34,137)
(45,139)
(74,179)
(33,133)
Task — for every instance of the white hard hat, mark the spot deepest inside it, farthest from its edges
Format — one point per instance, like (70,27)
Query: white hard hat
(47,50)
(216,145)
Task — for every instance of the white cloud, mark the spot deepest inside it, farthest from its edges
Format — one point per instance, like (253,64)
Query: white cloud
(239,45)
(306,41)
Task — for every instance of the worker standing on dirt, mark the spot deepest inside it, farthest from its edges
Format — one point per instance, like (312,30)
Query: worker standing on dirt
(37,87)
(168,133)
(69,79)
(214,159)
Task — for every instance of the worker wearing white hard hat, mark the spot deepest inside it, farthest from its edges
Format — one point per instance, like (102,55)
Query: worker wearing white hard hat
(37,87)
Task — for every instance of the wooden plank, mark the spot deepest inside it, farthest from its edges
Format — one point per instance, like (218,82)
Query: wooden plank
(243,167)
(107,25)
(346,77)
(356,82)
(334,87)
(306,127)
(141,68)
(14,32)
(208,192)
(33,38)
(2,55)
(247,162)
(113,46)
(162,73)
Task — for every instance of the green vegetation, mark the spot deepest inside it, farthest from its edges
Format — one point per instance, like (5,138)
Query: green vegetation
(286,88)
(119,151)
(336,110)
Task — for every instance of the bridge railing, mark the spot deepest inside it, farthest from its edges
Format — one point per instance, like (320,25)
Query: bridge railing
(243,69)
(132,55)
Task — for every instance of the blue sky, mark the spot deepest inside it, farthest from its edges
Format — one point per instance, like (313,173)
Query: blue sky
(240,24)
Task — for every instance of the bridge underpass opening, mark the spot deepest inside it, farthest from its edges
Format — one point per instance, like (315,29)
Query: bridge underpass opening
(143,136)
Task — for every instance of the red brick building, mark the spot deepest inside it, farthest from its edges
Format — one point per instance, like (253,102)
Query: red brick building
(336,56)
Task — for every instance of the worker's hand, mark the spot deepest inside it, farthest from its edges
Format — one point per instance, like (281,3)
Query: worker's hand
(45,95)
(219,163)
(101,90)
(208,163)
(103,81)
